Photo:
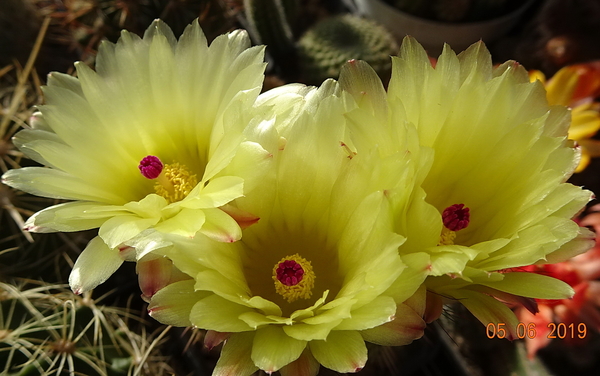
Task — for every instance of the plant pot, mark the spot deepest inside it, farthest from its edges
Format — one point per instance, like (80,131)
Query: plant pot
(433,34)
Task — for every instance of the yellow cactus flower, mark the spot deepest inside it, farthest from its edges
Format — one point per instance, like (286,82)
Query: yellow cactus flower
(494,196)
(146,141)
(577,86)
(320,272)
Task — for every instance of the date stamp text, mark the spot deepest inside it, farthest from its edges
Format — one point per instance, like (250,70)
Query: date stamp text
(529,330)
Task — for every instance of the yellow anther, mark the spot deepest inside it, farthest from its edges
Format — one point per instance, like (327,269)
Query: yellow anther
(447,237)
(175,182)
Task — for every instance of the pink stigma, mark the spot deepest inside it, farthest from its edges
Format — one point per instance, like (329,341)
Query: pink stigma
(289,272)
(151,167)
(456,217)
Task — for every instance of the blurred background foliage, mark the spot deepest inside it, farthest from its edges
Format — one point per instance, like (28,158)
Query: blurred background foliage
(45,329)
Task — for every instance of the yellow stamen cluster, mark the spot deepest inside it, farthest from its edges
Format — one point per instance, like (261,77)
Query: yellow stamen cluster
(447,237)
(301,290)
(175,182)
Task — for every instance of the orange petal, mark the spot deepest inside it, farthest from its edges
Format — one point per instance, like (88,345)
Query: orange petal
(589,82)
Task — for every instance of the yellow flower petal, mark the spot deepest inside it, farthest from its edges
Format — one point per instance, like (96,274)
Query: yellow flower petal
(235,357)
(172,304)
(407,326)
(561,86)
(497,150)
(343,351)
(94,265)
(141,101)
(220,314)
(273,349)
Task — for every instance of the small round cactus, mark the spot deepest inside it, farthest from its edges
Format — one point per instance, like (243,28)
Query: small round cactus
(332,42)
(45,330)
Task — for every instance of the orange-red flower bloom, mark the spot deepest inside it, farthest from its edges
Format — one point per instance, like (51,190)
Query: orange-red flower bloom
(581,273)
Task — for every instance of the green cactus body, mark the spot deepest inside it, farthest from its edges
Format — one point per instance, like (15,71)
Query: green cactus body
(269,24)
(47,330)
(333,41)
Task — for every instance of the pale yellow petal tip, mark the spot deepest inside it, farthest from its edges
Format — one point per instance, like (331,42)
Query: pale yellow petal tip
(478,49)
(159,27)
(359,79)
(241,36)
(411,50)
(94,266)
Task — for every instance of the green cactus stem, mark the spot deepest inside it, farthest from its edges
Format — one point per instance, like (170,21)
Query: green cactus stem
(269,23)
(324,48)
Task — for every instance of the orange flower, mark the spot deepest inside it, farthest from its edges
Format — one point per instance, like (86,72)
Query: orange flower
(581,273)
(576,86)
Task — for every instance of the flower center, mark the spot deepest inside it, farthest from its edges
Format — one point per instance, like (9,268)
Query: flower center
(455,217)
(294,278)
(173,181)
